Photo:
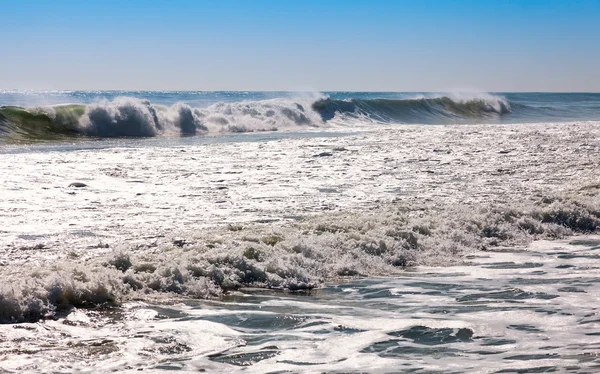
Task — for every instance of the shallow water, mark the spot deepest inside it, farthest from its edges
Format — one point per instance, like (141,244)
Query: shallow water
(520,310)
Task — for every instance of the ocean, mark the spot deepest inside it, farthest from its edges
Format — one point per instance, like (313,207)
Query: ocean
(272,232)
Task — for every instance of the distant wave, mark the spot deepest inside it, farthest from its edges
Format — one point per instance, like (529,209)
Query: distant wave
(133,117)
(416,110)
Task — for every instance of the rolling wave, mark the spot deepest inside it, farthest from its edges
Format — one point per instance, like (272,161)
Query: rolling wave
(417,110)
(133,117)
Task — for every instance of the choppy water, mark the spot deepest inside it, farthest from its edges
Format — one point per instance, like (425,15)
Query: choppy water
(371,232)
(525,310)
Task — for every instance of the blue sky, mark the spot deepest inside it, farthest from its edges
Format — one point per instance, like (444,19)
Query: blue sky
(376,45)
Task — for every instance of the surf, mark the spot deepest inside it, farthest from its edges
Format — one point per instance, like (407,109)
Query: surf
(134,117)
(125,116)
(26,117)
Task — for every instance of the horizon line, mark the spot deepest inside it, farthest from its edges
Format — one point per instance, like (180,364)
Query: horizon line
(2,90)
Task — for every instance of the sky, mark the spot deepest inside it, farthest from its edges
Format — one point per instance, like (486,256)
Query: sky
(292,45)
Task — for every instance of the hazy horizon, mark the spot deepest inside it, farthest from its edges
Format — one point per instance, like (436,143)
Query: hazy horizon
(311,46)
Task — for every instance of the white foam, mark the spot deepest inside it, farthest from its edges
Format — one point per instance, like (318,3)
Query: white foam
(127,116)
(179,220)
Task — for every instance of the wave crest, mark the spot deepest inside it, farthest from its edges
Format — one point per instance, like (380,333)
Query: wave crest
(415,110)
(133,117)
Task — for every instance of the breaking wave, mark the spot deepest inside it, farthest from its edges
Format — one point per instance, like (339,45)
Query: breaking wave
(133,117)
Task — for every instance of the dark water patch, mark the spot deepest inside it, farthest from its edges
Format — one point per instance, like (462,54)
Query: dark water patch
(31,236)
(423,370)
(571,256)
(83,233)
(394,348)
(496,342)
(301,363)
(311,324)
(524,327)
(534,281)
(473,307)
(565,266)
(260,339)
(444,288)
(168,367)
(433,285)
(245,359)
(377,294)
(260,322)
(582,282)
(533,357)
(431,336)
(512,265)
(538,369)
(571,289)
(507,295)
(381,346)
(538,272)
(551,312)
(591,243)
(589,321)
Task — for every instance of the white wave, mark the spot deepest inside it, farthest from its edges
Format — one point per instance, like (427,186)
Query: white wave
(126,116)
(495,103)
(263,115)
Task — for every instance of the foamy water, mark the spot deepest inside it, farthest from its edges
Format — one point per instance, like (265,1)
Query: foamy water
(522,310)
(347,246)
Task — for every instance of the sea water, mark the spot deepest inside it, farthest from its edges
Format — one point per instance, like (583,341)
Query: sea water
(285,232)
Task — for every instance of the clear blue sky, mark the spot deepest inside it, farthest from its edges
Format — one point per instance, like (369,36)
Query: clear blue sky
(430,45)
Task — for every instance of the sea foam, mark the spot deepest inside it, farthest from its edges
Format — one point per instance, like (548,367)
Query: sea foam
(295,257)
